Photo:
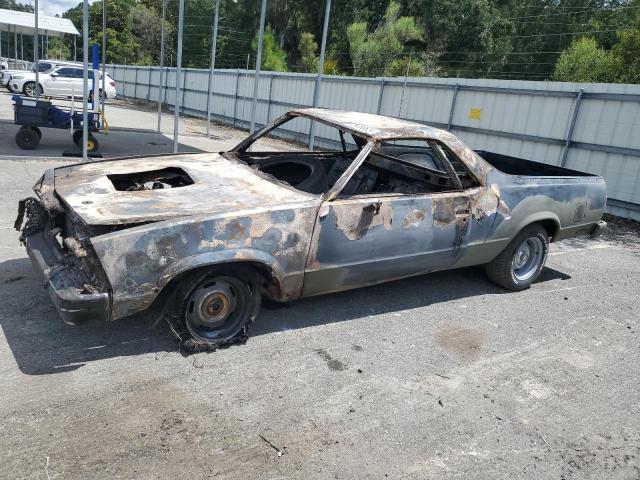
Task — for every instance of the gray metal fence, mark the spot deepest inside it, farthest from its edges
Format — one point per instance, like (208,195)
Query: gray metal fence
(589,127)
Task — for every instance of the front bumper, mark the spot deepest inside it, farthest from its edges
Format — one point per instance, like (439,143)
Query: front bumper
(598,229)
(65,283)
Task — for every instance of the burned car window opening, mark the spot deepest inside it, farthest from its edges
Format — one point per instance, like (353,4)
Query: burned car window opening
(314,172)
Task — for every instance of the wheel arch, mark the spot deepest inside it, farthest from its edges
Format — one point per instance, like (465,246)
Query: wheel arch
(265,265)
(548,220)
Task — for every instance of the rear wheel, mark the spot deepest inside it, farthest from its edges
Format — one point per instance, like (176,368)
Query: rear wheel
(216,307)
(27,138)
(522,262)
(29,89)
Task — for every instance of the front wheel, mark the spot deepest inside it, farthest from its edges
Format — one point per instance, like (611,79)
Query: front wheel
(29,89)
(217,306)
(522,262)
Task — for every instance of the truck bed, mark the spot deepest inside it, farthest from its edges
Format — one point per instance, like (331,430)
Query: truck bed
(519,166)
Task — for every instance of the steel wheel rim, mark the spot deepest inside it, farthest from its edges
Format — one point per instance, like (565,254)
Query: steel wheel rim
(527,259)
(216,308)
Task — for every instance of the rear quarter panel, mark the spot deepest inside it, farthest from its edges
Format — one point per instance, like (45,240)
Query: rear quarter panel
(575,204)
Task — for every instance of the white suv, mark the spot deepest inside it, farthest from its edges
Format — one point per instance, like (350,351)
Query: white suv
(61,81)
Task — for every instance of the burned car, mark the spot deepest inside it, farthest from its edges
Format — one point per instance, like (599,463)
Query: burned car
(203,237)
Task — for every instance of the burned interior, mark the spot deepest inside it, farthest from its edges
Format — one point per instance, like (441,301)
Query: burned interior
(170,177)
(402,166)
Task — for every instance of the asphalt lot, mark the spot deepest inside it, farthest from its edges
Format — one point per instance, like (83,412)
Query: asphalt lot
(441,376)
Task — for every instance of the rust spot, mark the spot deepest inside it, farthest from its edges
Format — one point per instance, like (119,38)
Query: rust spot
(443,211)
(413,219)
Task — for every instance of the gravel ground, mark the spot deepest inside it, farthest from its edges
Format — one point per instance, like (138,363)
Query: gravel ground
(441,376)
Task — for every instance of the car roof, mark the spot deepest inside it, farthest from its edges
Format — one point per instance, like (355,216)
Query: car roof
(371,125)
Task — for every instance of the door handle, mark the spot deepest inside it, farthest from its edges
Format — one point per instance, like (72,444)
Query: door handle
(462,212)
(374,207)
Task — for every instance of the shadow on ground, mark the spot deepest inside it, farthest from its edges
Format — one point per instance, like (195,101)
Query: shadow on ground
(42,344)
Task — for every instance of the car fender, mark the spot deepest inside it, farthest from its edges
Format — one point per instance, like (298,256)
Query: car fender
(219,257)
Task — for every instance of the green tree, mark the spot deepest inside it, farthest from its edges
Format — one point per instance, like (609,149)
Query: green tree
(627,54)
(274,58)
(307,48)
(59,49)
(371,52)
(584,61)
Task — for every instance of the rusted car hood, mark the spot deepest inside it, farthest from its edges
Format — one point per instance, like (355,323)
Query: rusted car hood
(219,186)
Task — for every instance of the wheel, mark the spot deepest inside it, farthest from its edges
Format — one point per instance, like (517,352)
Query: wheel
(29,89)
(216,307)
(520,264)
(303,173)
(92,144)
(99,96)
(38,131)
(27,138)
(77,138)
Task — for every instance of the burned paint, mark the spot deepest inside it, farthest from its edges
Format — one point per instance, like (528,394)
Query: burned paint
(132,239)
(413,219)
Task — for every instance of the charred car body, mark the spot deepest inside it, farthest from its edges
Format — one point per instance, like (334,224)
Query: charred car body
(204,236)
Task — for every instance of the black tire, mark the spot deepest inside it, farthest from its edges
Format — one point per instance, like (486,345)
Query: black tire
(216,306)
(77,138)
(522,262)
(92,143)
(306,174)
(29,89)
(27,138)
(38,131)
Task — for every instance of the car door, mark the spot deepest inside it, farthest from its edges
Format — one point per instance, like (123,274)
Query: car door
(58,82)
(371,238)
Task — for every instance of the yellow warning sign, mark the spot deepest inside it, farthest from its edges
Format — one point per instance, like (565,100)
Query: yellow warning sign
(475,113)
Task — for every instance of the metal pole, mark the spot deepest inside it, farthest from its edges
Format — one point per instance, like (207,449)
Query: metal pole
(85,78)
(574,117)
(75,56)
(15,45)
(104,55)
(160,85)
(36,34)
(176,111)
(453,106)
(316,90)
(406,74)
(263,14)
(212,64)
(46,33)
(22,47)
(380,95)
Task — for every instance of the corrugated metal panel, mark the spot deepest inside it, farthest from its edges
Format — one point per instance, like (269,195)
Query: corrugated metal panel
(525,119)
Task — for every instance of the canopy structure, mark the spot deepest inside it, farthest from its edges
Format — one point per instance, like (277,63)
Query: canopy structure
(25,23)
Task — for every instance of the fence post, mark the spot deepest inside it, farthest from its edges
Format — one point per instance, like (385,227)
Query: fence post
(149,84)
(380,95)
(453,106)
(135,84)
(567,144)
(269,100)
(235,97)
(124,79)
(184,84)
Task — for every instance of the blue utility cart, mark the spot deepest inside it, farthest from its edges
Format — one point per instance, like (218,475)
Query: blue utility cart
(33,114)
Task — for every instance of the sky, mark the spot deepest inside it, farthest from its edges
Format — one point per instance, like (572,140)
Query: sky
(53,7)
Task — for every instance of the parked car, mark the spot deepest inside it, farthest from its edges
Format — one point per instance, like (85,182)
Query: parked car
(60,81)
(202,237)
(43,66)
